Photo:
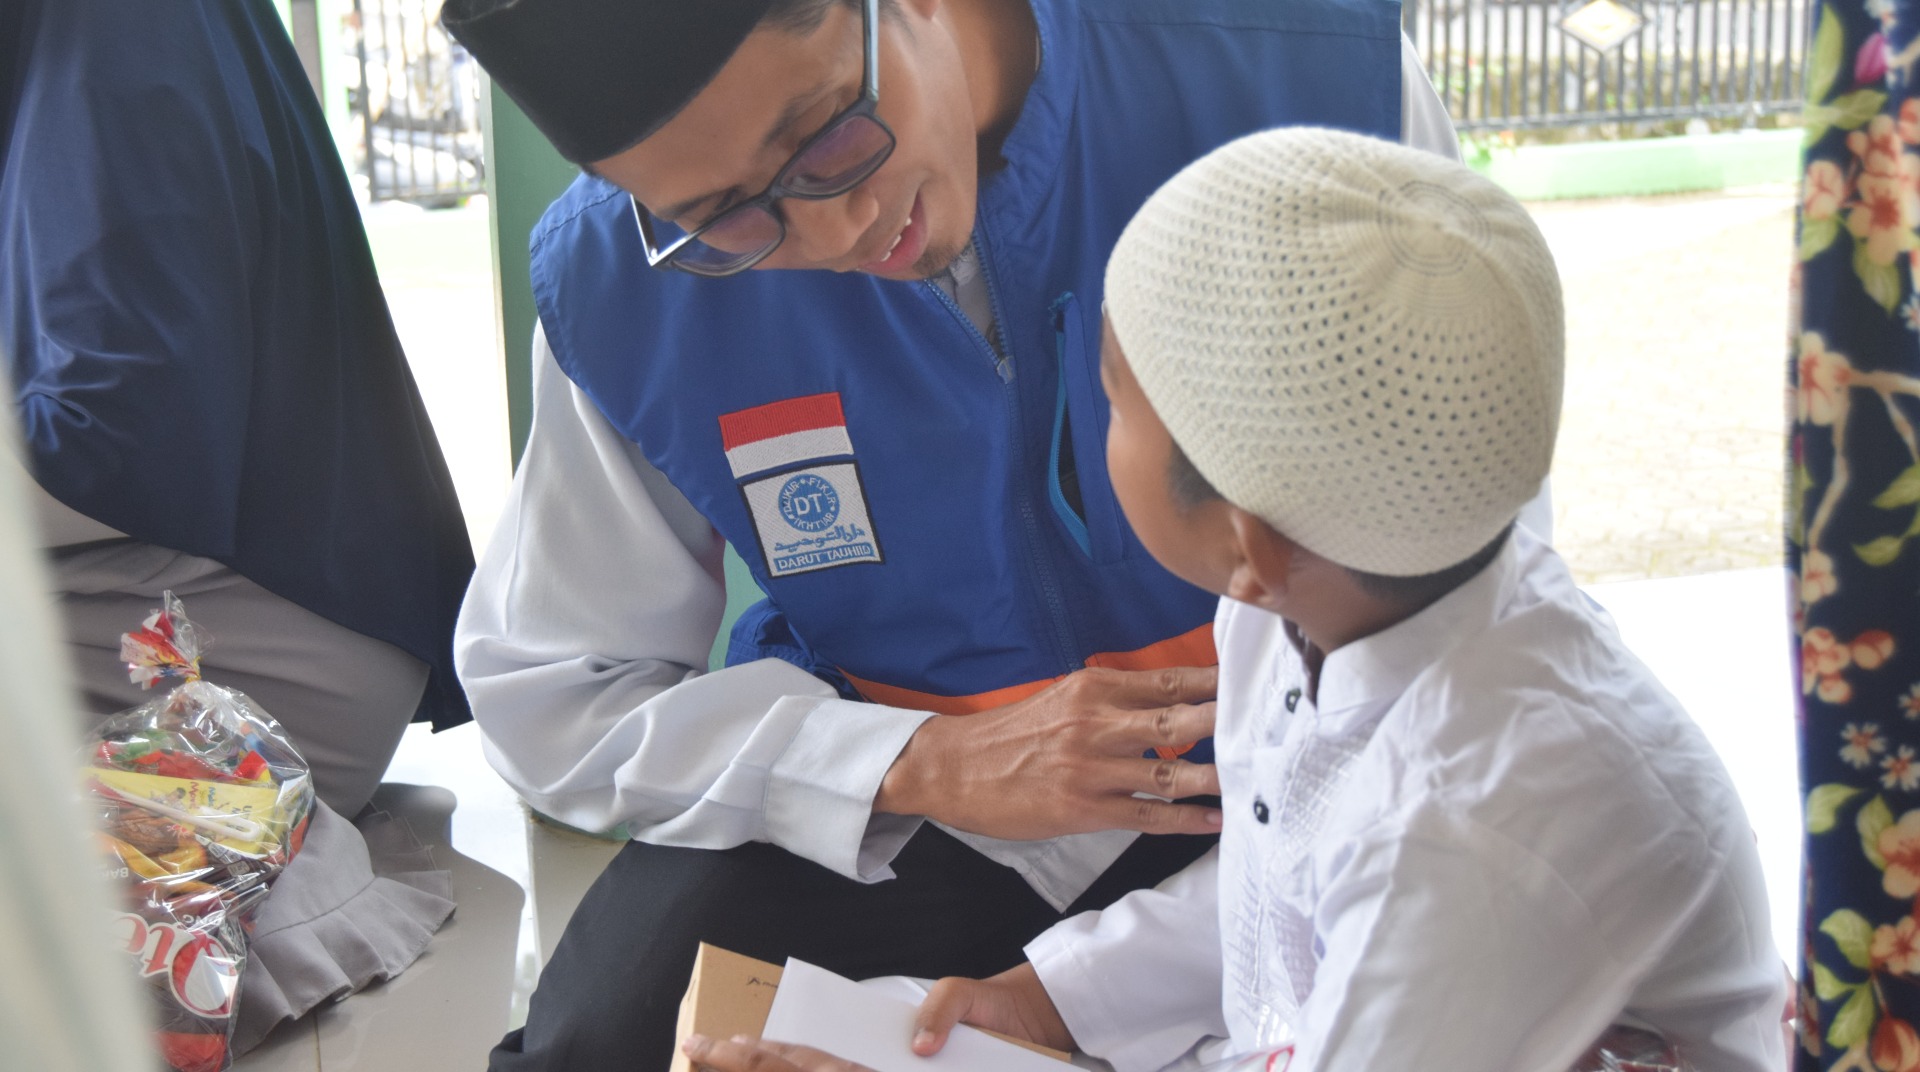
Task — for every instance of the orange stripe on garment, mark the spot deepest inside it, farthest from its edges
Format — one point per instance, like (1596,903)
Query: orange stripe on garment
(1193,648)
(913,699)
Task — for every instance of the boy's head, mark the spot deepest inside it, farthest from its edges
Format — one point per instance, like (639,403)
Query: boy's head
(1334,364)
(695,106)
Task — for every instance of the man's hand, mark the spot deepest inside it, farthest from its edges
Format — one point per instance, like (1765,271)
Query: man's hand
(743,1054)
(1066,760)
(1013,1003)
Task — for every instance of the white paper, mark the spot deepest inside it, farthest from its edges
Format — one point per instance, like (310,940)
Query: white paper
(817,1008)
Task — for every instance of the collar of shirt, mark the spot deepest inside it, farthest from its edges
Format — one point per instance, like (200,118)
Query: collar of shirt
(1360,679)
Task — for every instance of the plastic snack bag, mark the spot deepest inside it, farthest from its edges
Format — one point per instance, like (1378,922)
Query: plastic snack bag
(202,802)
(1630,1049)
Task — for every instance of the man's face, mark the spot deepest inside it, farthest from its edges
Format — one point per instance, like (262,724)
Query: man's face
(1194,542)
(907,221)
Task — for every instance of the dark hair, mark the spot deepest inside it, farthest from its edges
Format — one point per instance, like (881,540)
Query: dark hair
(1415,593)
(1191,489)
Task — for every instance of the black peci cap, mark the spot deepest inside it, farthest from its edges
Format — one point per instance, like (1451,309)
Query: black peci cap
(597,76)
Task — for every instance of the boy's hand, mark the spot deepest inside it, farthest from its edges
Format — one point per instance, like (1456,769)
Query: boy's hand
(1012,1003)
(743,1054)
(1066,760)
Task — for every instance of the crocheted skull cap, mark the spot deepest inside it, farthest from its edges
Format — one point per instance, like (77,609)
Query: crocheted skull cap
(1357,342)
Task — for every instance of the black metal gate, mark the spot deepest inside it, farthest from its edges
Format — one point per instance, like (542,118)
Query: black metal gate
(1498,65)
(1530,64)
(418,102)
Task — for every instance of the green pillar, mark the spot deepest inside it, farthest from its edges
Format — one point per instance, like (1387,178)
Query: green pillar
(524,175)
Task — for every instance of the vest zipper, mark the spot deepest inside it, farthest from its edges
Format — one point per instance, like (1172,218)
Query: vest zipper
(1041,556)
(1037,557)
(1001,366)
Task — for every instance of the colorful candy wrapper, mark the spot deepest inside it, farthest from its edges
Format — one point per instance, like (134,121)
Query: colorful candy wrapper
(202,802)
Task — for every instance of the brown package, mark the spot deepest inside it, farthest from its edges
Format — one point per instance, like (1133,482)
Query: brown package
(731,995)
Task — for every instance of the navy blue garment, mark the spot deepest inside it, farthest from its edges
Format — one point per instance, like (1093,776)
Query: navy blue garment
(201,354)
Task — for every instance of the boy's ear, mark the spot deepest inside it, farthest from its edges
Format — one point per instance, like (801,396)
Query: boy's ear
(1263,564)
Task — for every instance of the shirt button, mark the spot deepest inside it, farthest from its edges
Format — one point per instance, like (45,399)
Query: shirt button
(1293,699)
(1259,810)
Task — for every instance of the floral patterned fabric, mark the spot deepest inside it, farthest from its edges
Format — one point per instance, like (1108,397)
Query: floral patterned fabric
(1854,516)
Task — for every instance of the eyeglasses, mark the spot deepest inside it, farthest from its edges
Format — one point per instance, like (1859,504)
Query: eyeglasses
(840,156)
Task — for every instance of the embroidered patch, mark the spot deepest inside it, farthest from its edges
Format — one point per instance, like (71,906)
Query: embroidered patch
(802,486)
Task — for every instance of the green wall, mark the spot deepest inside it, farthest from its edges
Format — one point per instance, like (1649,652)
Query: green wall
(1642,167)
(524,175)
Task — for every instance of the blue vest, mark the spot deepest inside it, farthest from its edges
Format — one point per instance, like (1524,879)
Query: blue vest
(894,488)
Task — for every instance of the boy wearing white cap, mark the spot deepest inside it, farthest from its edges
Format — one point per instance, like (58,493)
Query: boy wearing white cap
(1465,828)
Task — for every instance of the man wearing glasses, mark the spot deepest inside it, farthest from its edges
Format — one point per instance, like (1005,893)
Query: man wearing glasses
(906,449)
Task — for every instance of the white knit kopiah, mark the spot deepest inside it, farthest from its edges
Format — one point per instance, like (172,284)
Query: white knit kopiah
(1357,342)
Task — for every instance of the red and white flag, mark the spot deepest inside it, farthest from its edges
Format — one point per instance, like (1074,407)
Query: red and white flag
(784,433)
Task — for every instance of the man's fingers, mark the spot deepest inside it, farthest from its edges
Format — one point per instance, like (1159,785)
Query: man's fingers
(1174,726)
(1159,688)
(1160,817)
(1173,779)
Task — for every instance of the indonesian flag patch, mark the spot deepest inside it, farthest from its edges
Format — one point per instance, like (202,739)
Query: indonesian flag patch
(795,467)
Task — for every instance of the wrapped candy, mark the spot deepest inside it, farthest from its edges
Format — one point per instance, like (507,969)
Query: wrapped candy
(202,802)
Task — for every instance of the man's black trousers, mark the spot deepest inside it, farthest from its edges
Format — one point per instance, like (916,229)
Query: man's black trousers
(610,997)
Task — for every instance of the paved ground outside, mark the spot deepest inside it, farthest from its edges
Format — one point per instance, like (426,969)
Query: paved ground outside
(1673,431)
(1671,439)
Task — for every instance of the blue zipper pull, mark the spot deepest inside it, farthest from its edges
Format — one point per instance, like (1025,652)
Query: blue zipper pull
(1057,312)
(1069,514)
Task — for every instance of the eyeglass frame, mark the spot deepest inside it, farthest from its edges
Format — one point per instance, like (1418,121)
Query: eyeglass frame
(865,107)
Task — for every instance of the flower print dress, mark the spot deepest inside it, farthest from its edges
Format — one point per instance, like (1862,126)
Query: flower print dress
(1854,512)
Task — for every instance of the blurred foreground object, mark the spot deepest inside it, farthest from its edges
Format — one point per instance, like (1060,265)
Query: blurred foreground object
(66,1005)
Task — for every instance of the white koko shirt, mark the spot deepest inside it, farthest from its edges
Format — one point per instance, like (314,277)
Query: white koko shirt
(1493,836)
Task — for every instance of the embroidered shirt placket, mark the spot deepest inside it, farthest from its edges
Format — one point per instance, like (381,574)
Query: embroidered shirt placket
(1277,938)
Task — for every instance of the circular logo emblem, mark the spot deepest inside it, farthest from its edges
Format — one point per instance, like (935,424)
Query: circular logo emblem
(809,503)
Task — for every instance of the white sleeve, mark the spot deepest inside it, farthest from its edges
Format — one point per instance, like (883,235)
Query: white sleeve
(1424,123)
(1450,945)
(1139,983)
(583,647)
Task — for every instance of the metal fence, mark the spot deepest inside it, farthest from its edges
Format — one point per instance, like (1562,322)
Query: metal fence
(1531,64)
(418,103)
(1498,65)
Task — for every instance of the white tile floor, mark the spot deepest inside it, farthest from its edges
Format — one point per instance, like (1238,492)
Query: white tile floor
(1717,640)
